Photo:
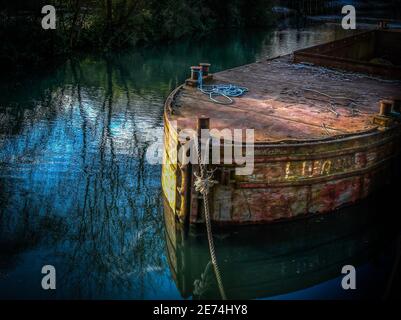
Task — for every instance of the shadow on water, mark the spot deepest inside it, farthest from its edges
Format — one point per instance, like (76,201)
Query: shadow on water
(76,189)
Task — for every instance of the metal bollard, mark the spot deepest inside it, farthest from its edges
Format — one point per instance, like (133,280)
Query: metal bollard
(205,68)
(195,72)
(385,108)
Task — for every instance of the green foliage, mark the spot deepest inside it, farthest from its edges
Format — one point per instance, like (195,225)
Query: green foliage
(106,25)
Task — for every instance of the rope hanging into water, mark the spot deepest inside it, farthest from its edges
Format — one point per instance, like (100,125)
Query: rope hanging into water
(227,91)
(204,181)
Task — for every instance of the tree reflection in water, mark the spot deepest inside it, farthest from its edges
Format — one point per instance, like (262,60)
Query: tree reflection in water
(74,178)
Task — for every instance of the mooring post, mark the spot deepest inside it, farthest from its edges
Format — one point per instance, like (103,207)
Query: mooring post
(195,72)
(384,118)
(385,107)
(205,68)
(203,123)
(193,80)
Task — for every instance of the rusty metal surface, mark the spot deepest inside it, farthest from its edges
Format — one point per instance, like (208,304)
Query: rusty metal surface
(359,53)
(310,156)
(294,183)
(289,101)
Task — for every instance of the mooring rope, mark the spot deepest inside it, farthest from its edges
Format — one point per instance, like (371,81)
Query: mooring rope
(204,181)
(225,90)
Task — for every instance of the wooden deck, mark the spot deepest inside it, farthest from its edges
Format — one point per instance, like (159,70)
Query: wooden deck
(289,101)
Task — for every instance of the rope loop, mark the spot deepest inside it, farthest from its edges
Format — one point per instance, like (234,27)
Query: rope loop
(225,90)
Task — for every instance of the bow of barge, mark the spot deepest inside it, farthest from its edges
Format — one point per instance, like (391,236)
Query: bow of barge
(323,138)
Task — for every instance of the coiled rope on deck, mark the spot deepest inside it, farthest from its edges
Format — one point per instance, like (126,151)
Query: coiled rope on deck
(227,91)
(203,182)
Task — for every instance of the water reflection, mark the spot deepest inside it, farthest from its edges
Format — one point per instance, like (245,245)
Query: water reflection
(74,180)
(76,190)
(299,259)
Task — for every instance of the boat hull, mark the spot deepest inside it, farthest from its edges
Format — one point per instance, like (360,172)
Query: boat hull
(323,138)
(288,180)
(278,258)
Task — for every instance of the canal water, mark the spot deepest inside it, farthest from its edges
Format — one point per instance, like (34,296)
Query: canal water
(78,190)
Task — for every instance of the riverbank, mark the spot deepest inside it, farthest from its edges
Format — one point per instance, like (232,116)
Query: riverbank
(84,26)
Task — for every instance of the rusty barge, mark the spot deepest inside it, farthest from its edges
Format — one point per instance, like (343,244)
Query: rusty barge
(326,124)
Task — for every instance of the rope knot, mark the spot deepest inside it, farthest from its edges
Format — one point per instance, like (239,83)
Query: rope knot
(203,184)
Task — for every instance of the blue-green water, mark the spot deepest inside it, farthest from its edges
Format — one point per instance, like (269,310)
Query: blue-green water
(77,192)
